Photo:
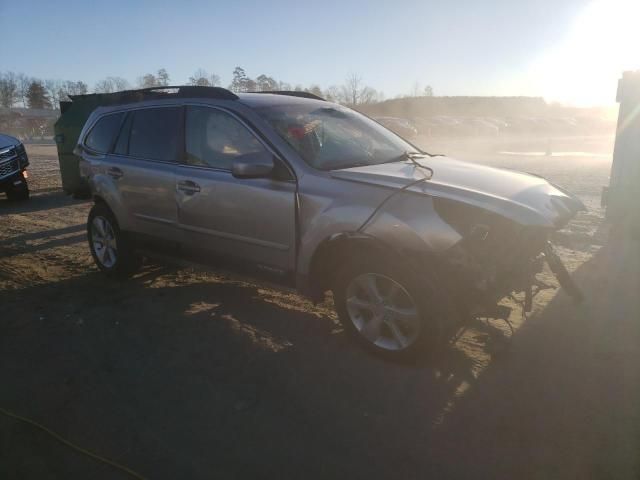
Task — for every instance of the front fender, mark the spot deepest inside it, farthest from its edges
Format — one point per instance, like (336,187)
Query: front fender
(411,224)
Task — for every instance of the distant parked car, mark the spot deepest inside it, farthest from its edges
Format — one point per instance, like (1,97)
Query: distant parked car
(479,126)
(13,165)
(400,126)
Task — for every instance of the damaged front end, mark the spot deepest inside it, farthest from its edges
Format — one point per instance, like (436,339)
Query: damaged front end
(497,257)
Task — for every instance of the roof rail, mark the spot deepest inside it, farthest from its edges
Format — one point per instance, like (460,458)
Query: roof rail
(169,91)
(294,93)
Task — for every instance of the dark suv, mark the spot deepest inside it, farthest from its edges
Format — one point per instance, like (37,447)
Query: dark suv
(321,197)
(13,164)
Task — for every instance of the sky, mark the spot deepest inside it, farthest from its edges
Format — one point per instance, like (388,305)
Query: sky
(571,51)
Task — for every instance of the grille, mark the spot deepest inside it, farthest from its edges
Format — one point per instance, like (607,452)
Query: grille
(22,155)
(8,153)
(7,168)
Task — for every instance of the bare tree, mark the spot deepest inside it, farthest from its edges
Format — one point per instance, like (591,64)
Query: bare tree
(351,89)
(368,95)
(199,78)
(250,85)
(264,83)
(69,88)
(315,90)
(203,79)
(8,89)
(334,94)
(103,86)
(149,80)
(214,80)
(23,87)
(110,85)
(428,91)
(53,91)
(119,83)
(162,77)
(354,92)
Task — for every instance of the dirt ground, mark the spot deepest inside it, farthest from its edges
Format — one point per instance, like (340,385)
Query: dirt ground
(191,373)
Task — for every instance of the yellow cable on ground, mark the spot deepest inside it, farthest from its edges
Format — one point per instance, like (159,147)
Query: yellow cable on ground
(69,444)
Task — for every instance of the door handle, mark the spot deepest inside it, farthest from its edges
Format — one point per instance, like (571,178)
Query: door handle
(188,187)
(115,173)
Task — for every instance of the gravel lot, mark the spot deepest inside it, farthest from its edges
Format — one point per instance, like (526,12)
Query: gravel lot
(191,373)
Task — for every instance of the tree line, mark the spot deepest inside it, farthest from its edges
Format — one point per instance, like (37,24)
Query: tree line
(30,92)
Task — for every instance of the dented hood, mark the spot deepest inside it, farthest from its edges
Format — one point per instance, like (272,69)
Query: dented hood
(524,198)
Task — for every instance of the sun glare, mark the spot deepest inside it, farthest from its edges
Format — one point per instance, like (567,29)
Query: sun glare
(583,69)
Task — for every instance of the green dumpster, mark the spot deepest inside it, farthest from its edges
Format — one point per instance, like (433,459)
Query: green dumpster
(73,115)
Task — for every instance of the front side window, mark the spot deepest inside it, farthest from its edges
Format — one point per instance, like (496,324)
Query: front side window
(155,134)
(213,138)
(334,137)
(101,136)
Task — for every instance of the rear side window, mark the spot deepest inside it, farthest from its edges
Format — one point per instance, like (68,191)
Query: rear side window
(122,144)
(103,133)
(156,133)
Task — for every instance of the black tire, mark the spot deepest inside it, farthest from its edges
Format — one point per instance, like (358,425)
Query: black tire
(20,193)
(421,291)
(126,260)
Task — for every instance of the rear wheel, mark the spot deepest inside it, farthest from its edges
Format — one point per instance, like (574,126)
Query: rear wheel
(386,309)
(112,251)
(19,193)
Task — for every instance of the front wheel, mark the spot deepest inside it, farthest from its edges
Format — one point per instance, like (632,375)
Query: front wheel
(386,309)
(111,250)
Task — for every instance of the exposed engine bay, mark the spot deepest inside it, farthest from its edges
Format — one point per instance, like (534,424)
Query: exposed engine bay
(496,258)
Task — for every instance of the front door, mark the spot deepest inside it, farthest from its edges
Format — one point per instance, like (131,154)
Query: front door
(249,219)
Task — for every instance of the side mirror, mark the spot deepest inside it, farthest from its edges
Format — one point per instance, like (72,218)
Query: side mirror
(253,165)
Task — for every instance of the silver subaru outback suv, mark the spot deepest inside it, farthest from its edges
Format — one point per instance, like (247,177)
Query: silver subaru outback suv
(321,198)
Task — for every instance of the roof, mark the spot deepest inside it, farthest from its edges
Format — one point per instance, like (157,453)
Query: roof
(154,93)
(188,91)
(255,100)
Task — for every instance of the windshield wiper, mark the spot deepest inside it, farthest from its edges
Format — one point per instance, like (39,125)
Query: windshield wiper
(411,157)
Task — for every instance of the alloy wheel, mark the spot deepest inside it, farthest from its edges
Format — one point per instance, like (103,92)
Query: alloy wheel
(382,311)
(104,243)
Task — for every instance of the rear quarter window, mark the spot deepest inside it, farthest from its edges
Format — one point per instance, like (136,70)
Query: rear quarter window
(103,133)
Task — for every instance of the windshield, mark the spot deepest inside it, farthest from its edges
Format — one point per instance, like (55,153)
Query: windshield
(334,137)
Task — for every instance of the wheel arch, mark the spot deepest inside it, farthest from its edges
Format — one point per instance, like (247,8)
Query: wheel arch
(114,203)
(337,249)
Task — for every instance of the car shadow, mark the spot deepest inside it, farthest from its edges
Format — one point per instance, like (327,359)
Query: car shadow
(564,403)
(41,240)
(188,373)
(54,198)
(177,377)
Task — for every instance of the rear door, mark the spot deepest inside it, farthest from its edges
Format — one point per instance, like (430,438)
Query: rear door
(144,165)
(248,219)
